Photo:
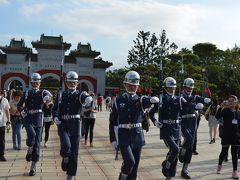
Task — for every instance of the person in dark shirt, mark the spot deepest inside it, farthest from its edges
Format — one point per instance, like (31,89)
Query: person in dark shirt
(230,134)
(47,120)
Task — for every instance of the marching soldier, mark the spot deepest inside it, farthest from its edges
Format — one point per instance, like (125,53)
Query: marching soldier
(188,124)
(169,123)
(126,118)
(67,118)
(30,106)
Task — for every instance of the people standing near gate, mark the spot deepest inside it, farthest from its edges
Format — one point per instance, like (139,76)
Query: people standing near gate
(125,127)
(189,124)
(66,115)
(4,120)
(230,134)
(170,124)
(107,102)
(89,115)
(30,106)
(99,102)
(212,120)
(16,120)
(47,120)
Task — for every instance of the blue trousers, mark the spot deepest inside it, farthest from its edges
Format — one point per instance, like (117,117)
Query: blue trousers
(16,130)
(172,155)
(131,158)
(69,148)
(34,140)
(189,137)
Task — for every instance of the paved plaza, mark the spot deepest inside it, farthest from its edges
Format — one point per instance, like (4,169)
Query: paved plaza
(97,163)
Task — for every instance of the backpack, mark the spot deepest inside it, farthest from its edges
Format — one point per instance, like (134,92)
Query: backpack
(107,100)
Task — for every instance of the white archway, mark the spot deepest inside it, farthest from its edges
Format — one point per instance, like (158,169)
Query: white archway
(8,82)
(55,76)
(88,83)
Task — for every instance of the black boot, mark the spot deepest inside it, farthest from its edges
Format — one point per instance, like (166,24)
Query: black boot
(185,175)
(165,170)
(122,176)
(32,169)
(64,164)
(29,154)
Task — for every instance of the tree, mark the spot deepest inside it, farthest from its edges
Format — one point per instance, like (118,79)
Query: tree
(148,49)
(143,51)
(208,53)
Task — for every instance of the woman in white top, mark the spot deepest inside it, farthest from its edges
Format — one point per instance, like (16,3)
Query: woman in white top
(4,119)
(89,115)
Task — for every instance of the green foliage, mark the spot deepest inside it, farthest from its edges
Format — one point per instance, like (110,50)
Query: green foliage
(148,49)
(221,67)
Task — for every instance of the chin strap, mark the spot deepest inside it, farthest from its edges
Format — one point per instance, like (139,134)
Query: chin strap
(171,94)
(131,92)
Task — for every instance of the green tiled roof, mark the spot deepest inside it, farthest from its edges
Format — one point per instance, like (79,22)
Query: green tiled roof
(17,44)
(54,40)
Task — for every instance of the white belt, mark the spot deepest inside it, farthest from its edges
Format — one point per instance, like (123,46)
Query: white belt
(34,111)
(188,115)
(171,121)
(130,126)
(68,116)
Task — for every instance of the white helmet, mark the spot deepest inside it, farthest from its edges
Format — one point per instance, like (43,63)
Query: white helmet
(169,82)
(132,78)
(189,82)
(35,77)
(72,76)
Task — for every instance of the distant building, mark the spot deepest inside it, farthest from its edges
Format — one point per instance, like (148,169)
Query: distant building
(14,60)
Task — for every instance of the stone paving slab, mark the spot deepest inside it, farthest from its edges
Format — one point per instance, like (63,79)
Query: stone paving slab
(97,163)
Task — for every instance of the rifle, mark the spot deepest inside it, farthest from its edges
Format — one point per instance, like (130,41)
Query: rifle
(160,88)
(61,83)
(182,78)
(116,135)
(116,131)
(28,76)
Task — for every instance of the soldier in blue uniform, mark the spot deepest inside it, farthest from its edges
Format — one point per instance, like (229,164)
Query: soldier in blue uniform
(67,118)
(30,106)
(188,124)
(125,128)
(169,124)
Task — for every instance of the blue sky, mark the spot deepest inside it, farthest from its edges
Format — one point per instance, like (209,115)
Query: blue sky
(110,26)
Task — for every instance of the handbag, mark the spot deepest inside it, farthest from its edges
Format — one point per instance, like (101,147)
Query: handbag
(207,116)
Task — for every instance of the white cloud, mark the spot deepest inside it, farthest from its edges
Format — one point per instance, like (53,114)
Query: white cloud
(122,20)
(30,10)
(112,25)
(3,2)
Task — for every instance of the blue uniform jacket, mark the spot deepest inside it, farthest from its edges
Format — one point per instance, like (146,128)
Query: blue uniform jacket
(170,117)
(33,102)
(188,110)
(128,111)
(71,104)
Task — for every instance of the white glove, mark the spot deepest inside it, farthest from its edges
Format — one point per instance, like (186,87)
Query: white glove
(23,114)
(114,145)
(56,120)
(207,100)
(158,124)
(88,100)
(199,106)
(46,98)
(154,99)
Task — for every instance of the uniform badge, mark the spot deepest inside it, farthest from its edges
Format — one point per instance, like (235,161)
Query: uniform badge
(122,105)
